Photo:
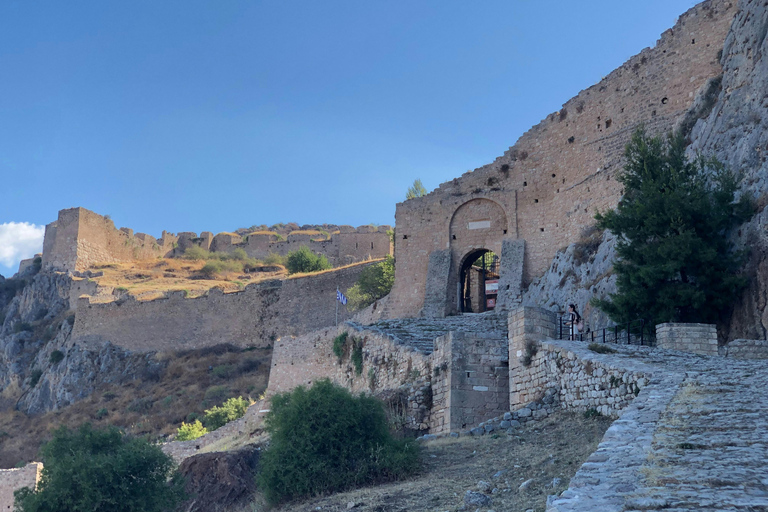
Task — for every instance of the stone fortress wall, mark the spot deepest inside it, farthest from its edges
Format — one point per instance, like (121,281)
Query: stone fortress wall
(14,479)
(257,316)
(80,238)
(547,187)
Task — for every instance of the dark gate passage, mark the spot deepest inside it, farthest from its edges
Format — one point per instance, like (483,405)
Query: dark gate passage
(479,281)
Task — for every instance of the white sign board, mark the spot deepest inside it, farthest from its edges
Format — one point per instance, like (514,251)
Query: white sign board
(479,224)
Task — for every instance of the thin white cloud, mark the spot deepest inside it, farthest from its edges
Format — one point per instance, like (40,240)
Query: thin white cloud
(19,240)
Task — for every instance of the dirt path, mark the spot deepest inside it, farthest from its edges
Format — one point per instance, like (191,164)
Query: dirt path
(542,451)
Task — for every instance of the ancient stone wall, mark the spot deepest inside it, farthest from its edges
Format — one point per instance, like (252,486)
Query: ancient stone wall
(79,238)
(256,316)
(540,369)
(472,380)
(548,186)
(745,349)
(695,338)
(14,479)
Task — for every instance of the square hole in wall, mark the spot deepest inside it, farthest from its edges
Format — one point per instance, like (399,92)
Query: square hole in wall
(505,231)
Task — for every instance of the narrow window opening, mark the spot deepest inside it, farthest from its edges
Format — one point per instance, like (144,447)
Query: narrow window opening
(355,245)
(608,123)
(693,41)
(541,229)
(525,183)
(405,237)
(554,175)
(454,237)
(505,232)
(371,245)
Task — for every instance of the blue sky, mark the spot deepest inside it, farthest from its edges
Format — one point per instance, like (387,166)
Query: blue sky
(209,116)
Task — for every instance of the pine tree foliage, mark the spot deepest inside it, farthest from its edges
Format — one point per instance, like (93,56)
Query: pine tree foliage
(415,190)
(675,263)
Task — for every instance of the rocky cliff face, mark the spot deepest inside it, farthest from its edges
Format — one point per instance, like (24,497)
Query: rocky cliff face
(36,323)
(728,120)
(736,132)
(580,272)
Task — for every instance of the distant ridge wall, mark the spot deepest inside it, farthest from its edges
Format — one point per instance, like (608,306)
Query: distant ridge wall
(80,238)
(256,316)
(547,187)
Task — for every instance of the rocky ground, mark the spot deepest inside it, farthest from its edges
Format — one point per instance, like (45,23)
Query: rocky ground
(504,472)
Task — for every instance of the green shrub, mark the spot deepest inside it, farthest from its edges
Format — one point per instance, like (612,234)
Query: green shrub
(212,268)
(357,355)
(274,259)
(374,283)
(232,409)
(56,356)
(102,413)
(592,413)
(601,349)
(216,392)
(34,377)
(338,344)
(239,254)
(304,260)
(324,439)
(189,431)
(196,253)
(222,371)
(22,326)
(102,470)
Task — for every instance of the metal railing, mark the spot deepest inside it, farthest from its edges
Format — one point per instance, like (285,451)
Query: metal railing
(637,332)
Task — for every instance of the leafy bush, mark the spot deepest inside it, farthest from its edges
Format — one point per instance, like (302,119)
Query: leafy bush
(374,283)
(601,349)
(232,409)
(189,431)
(338,344)
(22,326)
(239,254)
(101,470)
(56,356)
(324,439)
(415,190)
(196,253)
(304,260)
(274,259)
(34,377)
(357,355)
(216,392)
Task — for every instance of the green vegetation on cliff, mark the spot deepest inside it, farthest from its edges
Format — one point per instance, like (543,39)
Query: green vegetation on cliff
(675,262)
(374,283)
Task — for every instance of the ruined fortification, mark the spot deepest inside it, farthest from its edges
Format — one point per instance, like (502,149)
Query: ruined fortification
(254,317)
(538,196)
(80,238)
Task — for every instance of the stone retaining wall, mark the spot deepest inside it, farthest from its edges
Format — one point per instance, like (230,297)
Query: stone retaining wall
(745,349)
(694,338)
(14,479)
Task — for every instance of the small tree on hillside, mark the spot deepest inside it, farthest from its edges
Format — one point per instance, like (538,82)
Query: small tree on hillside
(675,263)
(102,470)
(374,283)
(304,260)
(416,190)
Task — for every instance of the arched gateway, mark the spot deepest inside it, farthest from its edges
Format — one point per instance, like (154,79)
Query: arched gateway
(460,278)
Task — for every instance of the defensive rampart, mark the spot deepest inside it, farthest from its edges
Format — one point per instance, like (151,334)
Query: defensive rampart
(548,186)
(80,238)
(14,479)
(256,316)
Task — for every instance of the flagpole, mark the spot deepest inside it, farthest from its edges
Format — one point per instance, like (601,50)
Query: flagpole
(337,306)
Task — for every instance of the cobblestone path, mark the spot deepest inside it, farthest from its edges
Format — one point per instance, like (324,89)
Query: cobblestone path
(696,438)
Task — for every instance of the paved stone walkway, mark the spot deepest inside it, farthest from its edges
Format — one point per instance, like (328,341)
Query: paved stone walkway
(696,438)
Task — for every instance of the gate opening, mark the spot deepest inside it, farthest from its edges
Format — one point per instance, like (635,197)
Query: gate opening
(479,282)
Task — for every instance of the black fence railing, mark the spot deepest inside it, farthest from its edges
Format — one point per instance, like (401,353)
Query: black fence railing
(637,332)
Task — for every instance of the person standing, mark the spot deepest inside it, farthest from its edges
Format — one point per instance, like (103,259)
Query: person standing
(574,321)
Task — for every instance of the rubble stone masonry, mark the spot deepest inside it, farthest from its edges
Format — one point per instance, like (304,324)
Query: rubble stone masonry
(548,186)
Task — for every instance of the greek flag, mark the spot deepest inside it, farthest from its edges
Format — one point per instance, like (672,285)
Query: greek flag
(341,297)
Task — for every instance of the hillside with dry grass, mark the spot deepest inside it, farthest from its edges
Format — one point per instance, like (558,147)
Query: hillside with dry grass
(153,404)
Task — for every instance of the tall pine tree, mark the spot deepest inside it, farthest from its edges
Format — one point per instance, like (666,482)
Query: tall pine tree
(674,263)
